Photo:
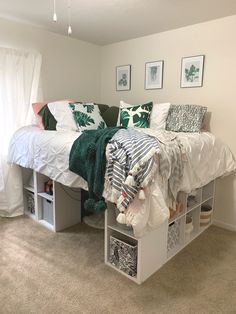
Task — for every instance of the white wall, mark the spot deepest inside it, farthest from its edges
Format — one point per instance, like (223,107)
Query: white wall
(214,39)
(71,68)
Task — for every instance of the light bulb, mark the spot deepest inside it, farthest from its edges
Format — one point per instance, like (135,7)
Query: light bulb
(54,17)
(69,30)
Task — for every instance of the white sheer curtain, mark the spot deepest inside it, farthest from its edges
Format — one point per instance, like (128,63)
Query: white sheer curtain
(19,79)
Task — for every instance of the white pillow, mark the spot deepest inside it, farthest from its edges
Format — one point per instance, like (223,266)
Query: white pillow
(62,113)
(159,115)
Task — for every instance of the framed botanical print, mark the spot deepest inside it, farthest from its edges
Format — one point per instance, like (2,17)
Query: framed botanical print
(123,77)
(154,74)
(192,71)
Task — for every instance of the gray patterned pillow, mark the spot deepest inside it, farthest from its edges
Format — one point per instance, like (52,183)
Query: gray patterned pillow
(185,118)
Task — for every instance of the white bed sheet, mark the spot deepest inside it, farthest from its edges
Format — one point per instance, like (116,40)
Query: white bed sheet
(47,152)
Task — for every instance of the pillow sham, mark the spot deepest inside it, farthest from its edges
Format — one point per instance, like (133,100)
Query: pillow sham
(159,115)
(136,116)
(87,116)
(48,120)
(62,113)
(36,108)
(185,118)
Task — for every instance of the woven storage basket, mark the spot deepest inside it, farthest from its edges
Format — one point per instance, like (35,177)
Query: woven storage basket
(205,216)
(173,235)
(123,256)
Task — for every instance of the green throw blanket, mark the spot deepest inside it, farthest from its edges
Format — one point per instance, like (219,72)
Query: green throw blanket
(87,159)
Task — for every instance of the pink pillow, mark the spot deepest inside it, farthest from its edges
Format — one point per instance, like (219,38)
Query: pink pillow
(36,108)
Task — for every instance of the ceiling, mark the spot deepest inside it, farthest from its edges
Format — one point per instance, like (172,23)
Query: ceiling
(107,21)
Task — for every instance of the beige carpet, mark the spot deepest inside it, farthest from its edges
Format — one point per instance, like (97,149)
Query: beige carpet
(44,272)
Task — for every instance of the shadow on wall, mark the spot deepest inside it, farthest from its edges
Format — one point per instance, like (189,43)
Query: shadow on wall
(225,201)
(206,122)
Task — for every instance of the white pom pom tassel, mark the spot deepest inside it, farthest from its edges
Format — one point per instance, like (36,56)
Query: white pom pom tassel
(141,194)
(130,180)
(121,218)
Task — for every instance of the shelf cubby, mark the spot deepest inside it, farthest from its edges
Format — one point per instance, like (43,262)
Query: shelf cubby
(194,199)
(58,211)
(208,191)
(158,246)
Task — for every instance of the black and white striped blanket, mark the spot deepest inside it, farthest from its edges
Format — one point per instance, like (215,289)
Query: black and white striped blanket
(130,165)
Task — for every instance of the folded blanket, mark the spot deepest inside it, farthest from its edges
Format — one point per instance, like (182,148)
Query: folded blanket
(87,159)
(134,157)
(130,166)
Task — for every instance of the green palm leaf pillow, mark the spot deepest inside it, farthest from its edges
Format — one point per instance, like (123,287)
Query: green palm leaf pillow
(87,116)
(136,116)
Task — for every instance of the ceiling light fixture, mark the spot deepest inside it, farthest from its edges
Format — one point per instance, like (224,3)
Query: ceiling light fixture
(69,18)
(69,30)
(54,11)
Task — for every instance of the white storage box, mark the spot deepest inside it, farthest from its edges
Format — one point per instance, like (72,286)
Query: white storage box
(47,211)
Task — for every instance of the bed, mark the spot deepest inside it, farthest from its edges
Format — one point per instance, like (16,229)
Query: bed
(46,152)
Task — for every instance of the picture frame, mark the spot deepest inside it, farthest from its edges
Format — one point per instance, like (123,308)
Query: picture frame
(154,74)
(123,77)
(192,71)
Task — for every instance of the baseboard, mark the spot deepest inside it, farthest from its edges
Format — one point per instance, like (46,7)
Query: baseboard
(224,225)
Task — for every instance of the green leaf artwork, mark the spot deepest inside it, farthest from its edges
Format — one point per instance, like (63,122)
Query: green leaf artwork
(123,80)
(192,73)
(82,118)
(89,107)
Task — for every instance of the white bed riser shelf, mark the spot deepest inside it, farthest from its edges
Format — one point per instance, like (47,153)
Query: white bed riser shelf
(56,212)
(152,247)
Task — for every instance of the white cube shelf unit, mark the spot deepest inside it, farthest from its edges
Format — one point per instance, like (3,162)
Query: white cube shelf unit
(158,246)
(58,211)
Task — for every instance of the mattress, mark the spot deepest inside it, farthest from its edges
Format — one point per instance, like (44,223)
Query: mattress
(47,152)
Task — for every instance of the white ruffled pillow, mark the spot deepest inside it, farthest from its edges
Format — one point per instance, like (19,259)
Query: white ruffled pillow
(62,113)
(159,116)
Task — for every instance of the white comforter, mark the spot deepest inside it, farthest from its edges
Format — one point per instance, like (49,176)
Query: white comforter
(47,152)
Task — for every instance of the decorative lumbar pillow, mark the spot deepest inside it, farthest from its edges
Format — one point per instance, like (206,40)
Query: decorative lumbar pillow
(87,116)
(159,115)
(63,115)
(185,118)
(48,120)
(136,116)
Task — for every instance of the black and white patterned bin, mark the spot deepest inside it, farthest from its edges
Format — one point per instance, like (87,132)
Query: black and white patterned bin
(123,256)
(173,235)
(30,202)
